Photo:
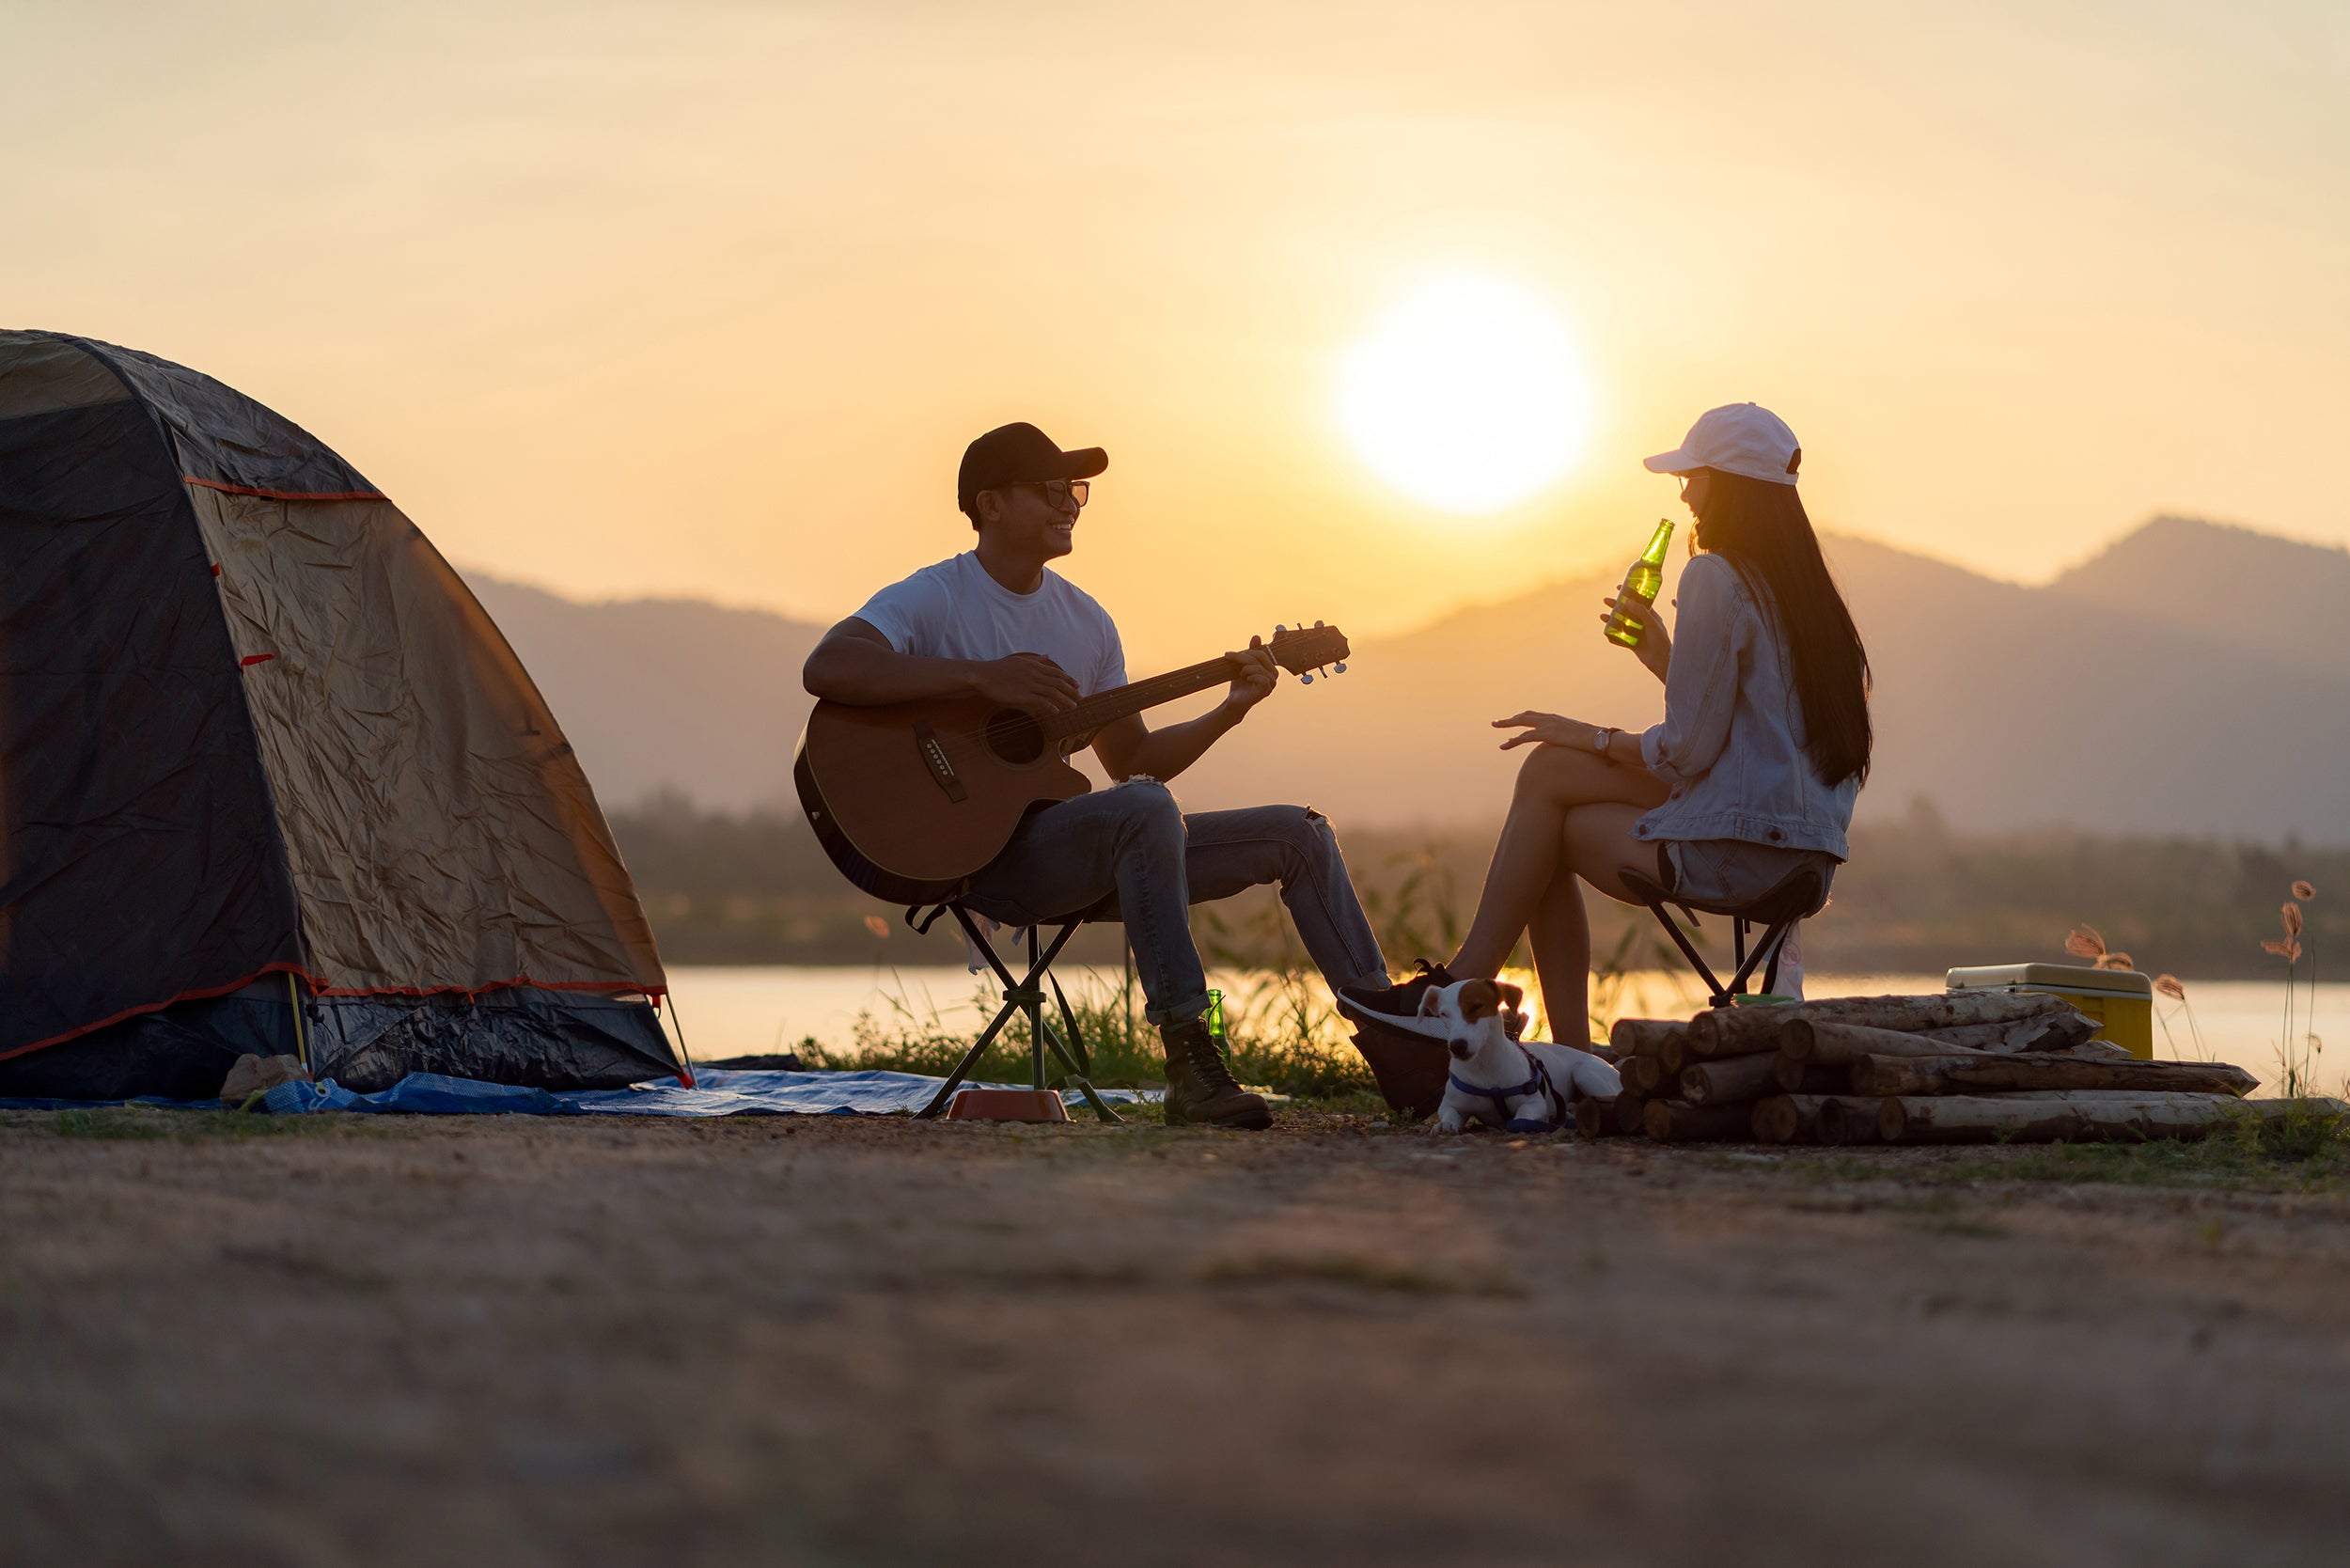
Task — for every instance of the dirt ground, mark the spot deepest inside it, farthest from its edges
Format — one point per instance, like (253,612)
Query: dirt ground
(834,1339)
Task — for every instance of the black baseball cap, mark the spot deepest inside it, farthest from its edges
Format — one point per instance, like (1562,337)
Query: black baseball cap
(1020,454)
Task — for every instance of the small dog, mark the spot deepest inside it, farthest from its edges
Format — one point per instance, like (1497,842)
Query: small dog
(1519,1086)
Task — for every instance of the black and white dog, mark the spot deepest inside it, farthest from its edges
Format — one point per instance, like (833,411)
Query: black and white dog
(1519,1086)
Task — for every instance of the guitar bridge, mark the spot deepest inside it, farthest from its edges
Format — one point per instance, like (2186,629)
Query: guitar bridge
(942,772)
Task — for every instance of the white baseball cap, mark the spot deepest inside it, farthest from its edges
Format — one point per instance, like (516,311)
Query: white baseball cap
(1736,438)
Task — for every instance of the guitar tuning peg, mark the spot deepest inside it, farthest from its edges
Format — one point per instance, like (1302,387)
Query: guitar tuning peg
(1317,625)
(1339,668)
(1278,629)
(1307,679)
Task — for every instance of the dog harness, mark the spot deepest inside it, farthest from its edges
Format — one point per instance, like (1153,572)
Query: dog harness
(1539,1084)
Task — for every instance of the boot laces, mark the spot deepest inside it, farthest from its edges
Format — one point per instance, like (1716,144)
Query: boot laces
(1208,1065)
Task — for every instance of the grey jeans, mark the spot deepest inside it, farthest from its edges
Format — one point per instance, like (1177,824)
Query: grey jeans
(1135,842)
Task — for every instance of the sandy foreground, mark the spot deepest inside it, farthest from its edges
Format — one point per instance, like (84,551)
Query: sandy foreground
(836,1340)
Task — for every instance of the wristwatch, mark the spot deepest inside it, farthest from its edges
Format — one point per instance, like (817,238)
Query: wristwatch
(1607,735)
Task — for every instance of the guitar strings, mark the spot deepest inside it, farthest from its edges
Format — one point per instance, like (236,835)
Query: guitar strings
(1206,671)
(1102,699)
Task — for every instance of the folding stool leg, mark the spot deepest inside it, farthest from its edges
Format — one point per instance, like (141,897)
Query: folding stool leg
(1688,950)
(1016,1000)
(1080,1060)
(1036,1017)
(1075,1037)
(1019,996)
(1042,1036)
(1773,939)
(970,1059)
(1073,1054)
(1072,1051)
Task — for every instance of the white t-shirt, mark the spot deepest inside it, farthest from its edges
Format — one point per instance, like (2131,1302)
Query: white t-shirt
(955,610)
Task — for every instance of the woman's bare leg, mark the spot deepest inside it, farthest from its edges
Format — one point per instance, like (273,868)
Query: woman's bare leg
(1530,856)
(1595,842)
(1560,935)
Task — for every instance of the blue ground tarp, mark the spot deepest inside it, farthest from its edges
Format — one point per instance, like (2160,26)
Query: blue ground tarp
(715,1092)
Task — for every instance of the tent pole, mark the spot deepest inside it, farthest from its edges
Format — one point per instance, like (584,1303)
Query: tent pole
(302,1041)
(685,1057)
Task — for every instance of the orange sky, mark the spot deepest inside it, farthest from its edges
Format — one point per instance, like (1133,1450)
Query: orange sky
(705,298)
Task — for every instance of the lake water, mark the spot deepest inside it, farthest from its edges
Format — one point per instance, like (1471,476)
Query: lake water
(729,1012)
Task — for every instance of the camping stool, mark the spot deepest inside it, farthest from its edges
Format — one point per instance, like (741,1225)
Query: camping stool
(1023,996)
(1800,893)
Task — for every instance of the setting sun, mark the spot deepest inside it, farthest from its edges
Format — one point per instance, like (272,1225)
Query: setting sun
(1467,396)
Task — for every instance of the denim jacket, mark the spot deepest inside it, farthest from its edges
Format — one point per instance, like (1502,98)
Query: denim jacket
(1732,742)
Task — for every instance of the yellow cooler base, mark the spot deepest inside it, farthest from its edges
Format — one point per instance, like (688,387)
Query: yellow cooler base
(2122,1001)
(2126,1021)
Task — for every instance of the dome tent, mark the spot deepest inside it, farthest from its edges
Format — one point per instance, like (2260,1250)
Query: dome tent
(270,779)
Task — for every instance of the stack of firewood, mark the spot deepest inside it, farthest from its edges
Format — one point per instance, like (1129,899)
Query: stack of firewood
(1969,1068)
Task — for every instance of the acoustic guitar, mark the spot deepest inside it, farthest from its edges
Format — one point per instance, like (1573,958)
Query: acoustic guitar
(911,799)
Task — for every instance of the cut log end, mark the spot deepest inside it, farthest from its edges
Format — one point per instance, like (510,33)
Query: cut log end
(1648,1075)
(1737,1031)
(1641,1035)
(1728,1080)
(1777,1120)
(1596,1118)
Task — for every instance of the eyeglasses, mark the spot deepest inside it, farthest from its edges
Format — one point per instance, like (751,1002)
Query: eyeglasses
(1060,493)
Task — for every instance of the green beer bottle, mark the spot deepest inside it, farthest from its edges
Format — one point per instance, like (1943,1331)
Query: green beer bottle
(1642,582)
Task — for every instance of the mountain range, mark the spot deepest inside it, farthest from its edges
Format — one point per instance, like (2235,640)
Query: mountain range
(2193,678)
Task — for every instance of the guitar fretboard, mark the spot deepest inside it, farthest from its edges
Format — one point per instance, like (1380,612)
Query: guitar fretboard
(1116,703)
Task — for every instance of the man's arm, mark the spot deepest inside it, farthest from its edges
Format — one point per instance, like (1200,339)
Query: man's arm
(855,665)
(1128,746)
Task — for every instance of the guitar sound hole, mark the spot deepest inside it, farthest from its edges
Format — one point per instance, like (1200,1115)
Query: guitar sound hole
(1015,736)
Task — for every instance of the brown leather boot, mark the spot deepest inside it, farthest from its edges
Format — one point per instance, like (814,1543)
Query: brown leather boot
(1200,1090)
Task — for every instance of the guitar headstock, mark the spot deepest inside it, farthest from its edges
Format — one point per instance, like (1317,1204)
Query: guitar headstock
(1303,649)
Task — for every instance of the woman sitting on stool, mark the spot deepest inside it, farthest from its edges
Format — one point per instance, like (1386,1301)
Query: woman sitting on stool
(1750,776)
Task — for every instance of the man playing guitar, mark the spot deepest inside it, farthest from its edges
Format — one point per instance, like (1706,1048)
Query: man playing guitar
(996,624)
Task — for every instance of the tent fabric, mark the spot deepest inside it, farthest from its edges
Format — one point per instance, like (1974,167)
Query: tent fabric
(183,1052)
(46,375)
(441,833)
(251,723)
(518,1035)
(139,855)
(220,436)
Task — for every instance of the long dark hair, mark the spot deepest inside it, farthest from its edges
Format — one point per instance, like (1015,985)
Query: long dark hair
(1761,528)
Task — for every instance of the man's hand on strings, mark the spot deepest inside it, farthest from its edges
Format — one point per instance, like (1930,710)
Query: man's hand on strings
(1029,682)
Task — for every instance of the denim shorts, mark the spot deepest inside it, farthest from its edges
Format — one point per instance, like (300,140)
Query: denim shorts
(1731,870)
